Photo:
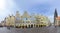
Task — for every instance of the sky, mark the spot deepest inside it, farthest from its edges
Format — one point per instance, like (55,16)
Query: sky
(44,7)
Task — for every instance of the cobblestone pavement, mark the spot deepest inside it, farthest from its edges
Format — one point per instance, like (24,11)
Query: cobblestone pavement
(58,29)
(51,29)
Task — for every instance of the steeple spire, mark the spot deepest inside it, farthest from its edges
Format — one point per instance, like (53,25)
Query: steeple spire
(55,15)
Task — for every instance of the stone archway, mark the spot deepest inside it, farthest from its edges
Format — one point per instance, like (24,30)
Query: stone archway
(22,26)
(26,26)
(59,23)
(36,25)
(31,25)
(39,25)
(19,26)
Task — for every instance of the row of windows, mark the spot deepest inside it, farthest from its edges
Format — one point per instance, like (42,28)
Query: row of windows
(25,18)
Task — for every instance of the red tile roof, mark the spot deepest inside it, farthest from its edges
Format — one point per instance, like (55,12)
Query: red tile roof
(58,18)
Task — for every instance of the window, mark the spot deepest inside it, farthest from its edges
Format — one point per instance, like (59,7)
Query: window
(17,18)
(25,18)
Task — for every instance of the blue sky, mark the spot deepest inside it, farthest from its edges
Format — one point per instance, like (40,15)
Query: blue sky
(44,7)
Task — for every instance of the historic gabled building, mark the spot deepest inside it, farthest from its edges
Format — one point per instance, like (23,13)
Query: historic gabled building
(58,21)
(27,20)
(10,21)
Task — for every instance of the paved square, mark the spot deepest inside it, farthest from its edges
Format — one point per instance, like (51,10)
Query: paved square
(51,29)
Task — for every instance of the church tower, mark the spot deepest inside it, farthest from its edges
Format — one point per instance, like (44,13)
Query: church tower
(17,14)
(17,17)
(55,15)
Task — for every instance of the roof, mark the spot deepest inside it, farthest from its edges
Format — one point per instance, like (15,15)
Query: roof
(26,15)
(58,18)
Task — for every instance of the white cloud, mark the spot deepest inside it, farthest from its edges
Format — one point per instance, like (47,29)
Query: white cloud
(5,8)
(2,4)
